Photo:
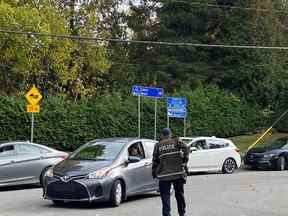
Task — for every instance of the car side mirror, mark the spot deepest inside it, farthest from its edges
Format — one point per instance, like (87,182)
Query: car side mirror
(133,159)
(193,149)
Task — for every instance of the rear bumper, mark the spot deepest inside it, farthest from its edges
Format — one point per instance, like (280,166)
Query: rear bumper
(238,161)
(80,190)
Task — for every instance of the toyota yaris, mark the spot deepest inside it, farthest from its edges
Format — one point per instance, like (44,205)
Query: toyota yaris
(108,169)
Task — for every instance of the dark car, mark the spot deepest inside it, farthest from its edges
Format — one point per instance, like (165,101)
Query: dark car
(272,155)
(103,170)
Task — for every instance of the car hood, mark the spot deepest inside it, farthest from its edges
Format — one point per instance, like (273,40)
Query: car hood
(79,167)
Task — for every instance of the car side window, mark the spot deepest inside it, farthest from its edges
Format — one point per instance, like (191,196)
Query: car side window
(136,150)
(8,150)
(200,145)
(216,144)
(27,149)
(285,146)
(149,148)
(44,151)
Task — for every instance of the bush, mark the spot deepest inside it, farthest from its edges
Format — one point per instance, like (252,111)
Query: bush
(65,124)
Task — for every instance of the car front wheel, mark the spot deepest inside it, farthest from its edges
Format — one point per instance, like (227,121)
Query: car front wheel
(58,202)
(116,193)
(229,166)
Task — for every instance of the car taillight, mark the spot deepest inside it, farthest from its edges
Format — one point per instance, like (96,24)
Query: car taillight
(63,156)
(237,150)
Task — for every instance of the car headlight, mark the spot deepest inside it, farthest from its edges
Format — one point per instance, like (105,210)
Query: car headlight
(269,155)
(49,172)
(99,173)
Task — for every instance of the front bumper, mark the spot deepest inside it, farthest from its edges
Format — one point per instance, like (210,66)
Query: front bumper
(77,189)
(260,162)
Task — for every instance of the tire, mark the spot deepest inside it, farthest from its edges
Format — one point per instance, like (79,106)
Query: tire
(58,202)
(116,194)
(229,166)
(254,168)
(281,163)
(42,176)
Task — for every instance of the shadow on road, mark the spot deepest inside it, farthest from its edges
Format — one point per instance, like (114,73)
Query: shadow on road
(101,205)
(18,187)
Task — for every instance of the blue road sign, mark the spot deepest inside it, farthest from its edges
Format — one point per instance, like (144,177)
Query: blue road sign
(147,91)
(176,107)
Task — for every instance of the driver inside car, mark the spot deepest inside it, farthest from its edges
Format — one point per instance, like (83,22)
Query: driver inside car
(134,151)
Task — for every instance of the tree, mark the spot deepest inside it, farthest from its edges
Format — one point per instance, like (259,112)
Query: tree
(57,66)
(253,74)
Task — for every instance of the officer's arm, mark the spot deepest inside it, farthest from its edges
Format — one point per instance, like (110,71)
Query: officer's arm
(155,160)
(185,150)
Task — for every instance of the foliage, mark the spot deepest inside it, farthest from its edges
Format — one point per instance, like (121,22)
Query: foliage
(243,142)
(66,124)
(258,75)
(57,66)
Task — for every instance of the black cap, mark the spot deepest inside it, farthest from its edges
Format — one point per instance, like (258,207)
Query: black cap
(166,132)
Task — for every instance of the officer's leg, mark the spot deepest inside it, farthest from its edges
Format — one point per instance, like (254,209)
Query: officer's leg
(179,194)
(164,187)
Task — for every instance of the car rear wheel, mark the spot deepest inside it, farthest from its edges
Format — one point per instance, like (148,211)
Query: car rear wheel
(281,163)
(116,193)
(254,167)
(229,166)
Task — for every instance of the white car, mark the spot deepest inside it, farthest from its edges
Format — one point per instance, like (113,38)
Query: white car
(211,154)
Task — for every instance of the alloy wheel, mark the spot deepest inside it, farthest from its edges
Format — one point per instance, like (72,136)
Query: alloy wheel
(229,166)
(118,193)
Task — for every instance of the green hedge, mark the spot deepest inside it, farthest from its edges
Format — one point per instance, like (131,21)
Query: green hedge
(65,124)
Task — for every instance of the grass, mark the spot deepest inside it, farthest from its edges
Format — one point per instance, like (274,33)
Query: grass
(243,142)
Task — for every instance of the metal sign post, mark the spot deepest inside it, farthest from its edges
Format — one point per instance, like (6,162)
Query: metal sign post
(32,127)
(176,108)
(147,92)
(184,127)
(168,121)
(139,116)
(155,120)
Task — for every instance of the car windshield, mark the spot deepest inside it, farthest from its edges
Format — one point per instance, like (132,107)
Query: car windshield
(98,151)
(277,144)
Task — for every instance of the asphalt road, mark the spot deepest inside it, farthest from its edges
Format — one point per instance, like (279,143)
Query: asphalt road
(244,193)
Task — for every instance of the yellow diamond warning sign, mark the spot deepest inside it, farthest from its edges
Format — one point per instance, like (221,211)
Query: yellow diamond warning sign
(33,108)
(33,96)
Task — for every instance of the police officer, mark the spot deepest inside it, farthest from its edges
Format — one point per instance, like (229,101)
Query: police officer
(170,158)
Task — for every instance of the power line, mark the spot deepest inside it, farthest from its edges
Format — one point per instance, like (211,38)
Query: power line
(158,43)
(200,4)
(186,63)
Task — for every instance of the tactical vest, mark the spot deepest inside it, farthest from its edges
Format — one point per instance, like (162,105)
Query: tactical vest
(170,160)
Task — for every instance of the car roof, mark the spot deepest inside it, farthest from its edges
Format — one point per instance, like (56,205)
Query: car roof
(10,142)
(193,139)
(28,143)
(120,139)
(187,137)
(201,137)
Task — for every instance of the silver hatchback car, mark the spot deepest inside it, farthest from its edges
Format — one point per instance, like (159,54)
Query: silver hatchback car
(26,163)
(108,169)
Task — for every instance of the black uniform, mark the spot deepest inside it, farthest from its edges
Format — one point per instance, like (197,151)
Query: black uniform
(170,159)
